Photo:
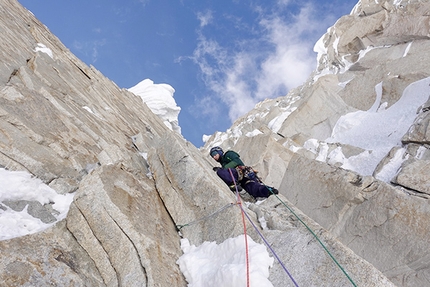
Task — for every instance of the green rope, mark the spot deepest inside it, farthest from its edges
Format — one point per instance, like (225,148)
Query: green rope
(316,237)
(179,227)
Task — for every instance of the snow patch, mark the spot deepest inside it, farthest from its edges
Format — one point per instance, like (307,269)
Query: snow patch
(393,166)
(379,129)
(276,123)
(323,152)
(159,98)
(213,265)
(253,133)
(311,145)
(42,48)
(420,152)
(407,49)
(20,185)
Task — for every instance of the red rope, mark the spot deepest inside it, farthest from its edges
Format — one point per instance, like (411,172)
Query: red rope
(239,202)
(246,248)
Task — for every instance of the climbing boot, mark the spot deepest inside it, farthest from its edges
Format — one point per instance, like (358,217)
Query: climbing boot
(272,190)
(233,188)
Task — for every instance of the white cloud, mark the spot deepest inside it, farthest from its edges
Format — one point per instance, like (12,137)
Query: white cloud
(205,18)
(206,106)
(292,60)
(267,66)
(283,2)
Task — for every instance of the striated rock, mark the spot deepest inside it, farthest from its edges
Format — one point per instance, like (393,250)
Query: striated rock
(378,43)
(136,182)
(50,257)
(317,259)
(113,219)
(319,111)
(382,224)
(419,132)
(415,176)
(190,191)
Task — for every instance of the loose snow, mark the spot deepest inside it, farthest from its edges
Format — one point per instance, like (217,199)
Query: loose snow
(213,265)
(20,185)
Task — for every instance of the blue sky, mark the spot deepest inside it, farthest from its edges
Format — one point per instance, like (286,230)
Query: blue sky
(221,57)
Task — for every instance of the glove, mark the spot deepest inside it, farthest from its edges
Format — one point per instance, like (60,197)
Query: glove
(216,168)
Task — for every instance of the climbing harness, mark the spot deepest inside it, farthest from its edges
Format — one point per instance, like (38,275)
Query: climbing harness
(246,172)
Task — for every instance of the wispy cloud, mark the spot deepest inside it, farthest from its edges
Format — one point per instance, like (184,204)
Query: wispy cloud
(279,59)
(89,49)
(292,59)
(283,2)
(205,18)
(144,2)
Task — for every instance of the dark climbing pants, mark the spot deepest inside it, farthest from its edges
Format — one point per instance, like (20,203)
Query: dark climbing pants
(254,188)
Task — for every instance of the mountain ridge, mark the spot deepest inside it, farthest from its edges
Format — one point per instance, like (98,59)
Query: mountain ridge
(135,180)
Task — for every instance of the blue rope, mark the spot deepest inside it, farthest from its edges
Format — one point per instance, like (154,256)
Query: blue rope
(271,249)
(261,235)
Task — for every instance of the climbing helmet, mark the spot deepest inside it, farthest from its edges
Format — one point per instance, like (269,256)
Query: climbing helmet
(216,150)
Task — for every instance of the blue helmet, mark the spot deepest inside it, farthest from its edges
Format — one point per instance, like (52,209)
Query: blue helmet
(216,150)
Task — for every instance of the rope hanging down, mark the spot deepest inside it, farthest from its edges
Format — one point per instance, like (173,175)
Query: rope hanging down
(179,227)
(271,249)
(239,202)
(316,237)
(261,235)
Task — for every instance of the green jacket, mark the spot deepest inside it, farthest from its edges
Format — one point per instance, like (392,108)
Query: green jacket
(230,159)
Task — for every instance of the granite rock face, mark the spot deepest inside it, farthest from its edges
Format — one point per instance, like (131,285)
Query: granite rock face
(381,48)
(381,223)
(136,182)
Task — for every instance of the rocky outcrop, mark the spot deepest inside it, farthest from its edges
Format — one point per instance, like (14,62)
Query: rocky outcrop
(317,259)
(68,125)
(381,223)
(136,182)
(379,50)
(414,173)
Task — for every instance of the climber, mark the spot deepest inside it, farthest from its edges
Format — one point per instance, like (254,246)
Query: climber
(244,176)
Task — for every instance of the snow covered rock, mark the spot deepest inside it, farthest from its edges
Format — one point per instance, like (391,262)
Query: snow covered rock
(357,127)
(136,181)
(159,98)
(73,129)
(415,176)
